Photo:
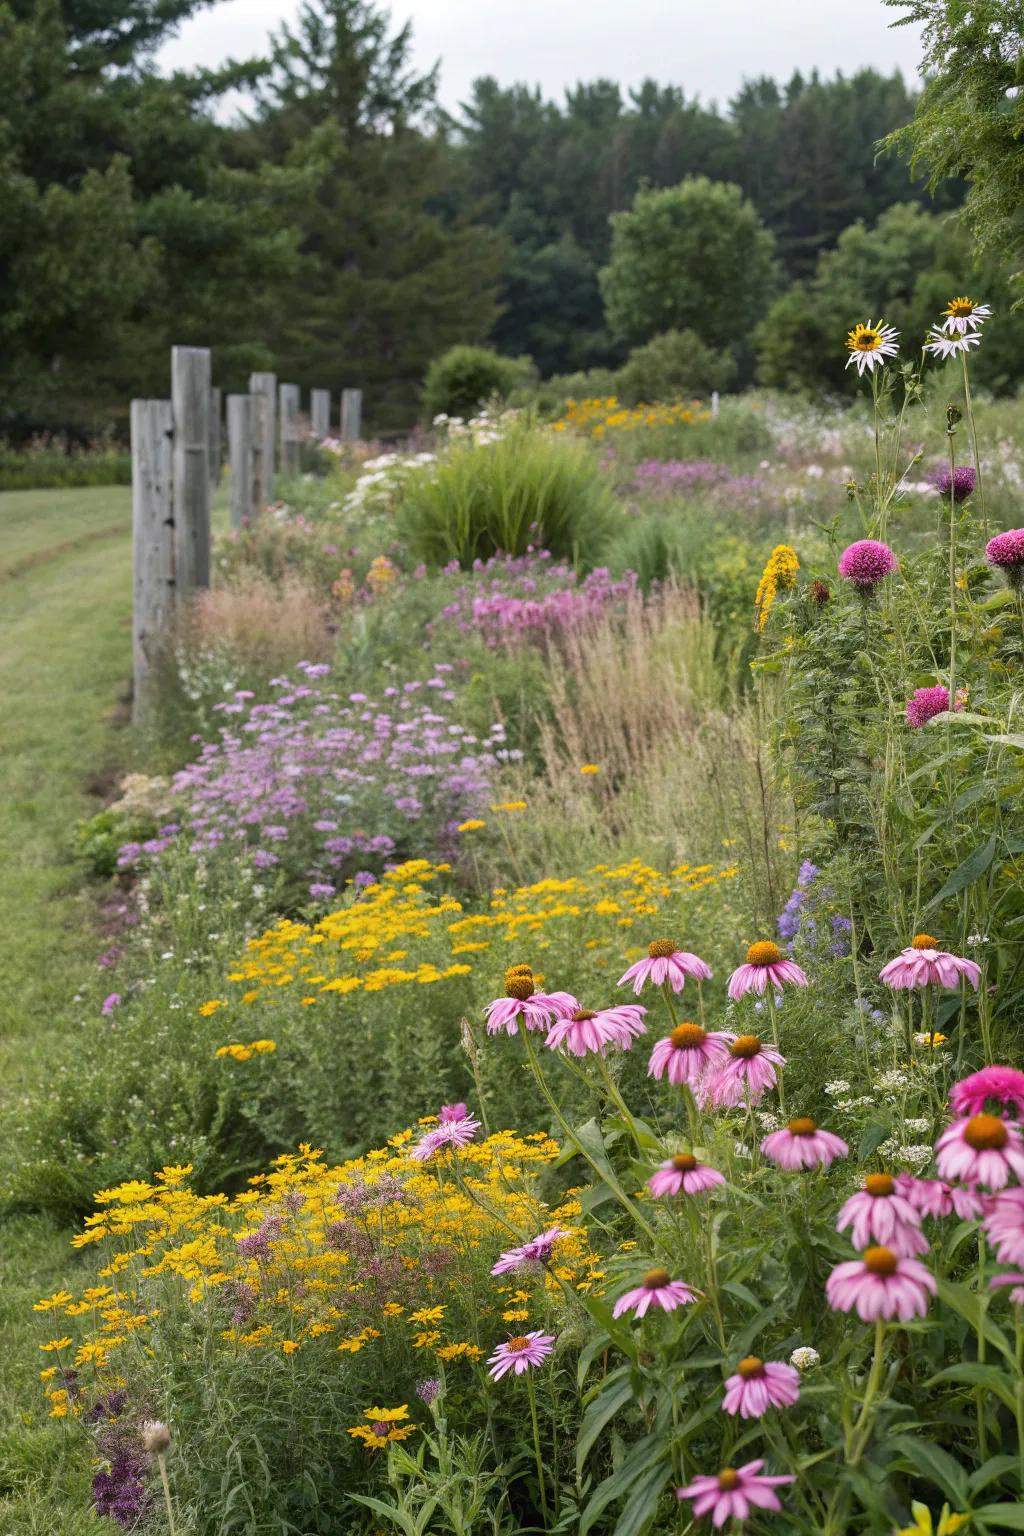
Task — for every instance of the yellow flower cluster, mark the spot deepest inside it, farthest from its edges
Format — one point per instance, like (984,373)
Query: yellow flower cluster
(596,417)
(381,575)
(239,1052)
(380,1251)
(778,575)
(374,942)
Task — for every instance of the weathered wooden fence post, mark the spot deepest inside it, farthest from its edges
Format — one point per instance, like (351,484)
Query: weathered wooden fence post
(216,450)
(716,401)
(265,385)
(240,458)
(351,415)
(289,399)
(152,431)
(190,403)
(320,413)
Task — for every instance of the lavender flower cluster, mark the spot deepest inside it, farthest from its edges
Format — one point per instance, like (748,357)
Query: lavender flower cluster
(802,916)
(530,599)
(291,784)
(678,477)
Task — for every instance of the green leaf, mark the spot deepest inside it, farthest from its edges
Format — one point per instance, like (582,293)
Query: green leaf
(975,1373)
(972,869)
(931,1461)
(871,1139)
(1009,1516)
(965,1303)
(642,1502)
(615,1395)
(1010,739)
(995,1467)
(640,1459)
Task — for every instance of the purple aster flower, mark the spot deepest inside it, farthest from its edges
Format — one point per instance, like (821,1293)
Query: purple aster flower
(960,482)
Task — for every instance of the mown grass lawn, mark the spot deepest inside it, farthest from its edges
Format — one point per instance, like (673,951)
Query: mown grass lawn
(65,616)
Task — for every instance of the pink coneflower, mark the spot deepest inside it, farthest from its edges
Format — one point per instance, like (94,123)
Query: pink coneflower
(865,563)
(1004,1084)
(983,1150)
(536,1251)
(657,1289)
(934,1197)
(764,966)
(455,1127)
(880,1284)
(583,1031)
(925,703)
(522,1003)
(520,1352)
(687,1053)
(924,963)
(879,1213)
(750,1071)
(729,1494)
(665,962)
(759,1385)
(683,1174)
(1006,551)
(801,1144)
(1004,1225)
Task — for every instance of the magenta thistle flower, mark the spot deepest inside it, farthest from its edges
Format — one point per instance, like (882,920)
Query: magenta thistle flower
(683,1174)
(923,962)
(764,966)
(880,1285)
(536,1251)
(583,1031)
(1004,1225)
(450,1133)
(665,962)
(687,1053)
(522,1003)
(1006,551)
(657,1289)
(865,563)
(960,482)
(984,1149)
(934,1197)
(759,1385)
(730,1494)
(520,1352)
(879,1213)
(802,1144)
(750,1071)
(925,703)
(1003,1084)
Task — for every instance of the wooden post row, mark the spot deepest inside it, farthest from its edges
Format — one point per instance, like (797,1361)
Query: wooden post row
(289,399)
(320,413)
(152,432)
(241,458)
(216,451)
(190,403)
(351,415)
(264,425)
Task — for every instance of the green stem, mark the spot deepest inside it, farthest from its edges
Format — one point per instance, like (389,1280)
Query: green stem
(162,1463)
(536,1445)
(862,1429)
(972,429)
(1019,1393)
(979,1395)
(952,574)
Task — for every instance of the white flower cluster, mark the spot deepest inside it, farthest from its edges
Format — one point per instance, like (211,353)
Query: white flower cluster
(805,1358)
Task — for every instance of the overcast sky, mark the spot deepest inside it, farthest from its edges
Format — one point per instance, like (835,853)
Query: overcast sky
(707,46)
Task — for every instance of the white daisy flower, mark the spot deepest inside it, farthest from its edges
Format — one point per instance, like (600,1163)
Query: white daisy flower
(870,345)
(942,345)
(963,315)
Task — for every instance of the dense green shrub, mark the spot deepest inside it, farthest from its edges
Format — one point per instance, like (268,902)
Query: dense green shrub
(674,366)
(463,379)
(526,490)
(45,464)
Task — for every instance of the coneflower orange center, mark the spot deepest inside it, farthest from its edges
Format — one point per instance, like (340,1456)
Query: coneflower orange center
(660,949)
(728,1480)
(746,1046)
(656,1279)
(684,1162)
(986,1133)
(880,1261)
(686,1036)
(923,941)
(764,953)
(879,1184)
(518,1344)
(751,1368)
(864,338)
(582,1014)
(520,987)
(803,1125)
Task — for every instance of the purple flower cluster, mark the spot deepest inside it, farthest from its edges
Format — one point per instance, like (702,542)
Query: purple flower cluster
(292,784)
(866,562)
(925,703)
(119,1489)
(1006,551)
(679,477)
(802,918)
(960,482)
(528,599)
(130,853)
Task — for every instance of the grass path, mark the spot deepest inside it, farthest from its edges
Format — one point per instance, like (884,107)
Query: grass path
(65,619)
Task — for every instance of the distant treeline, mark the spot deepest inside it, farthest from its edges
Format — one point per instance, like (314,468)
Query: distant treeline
(346,230)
